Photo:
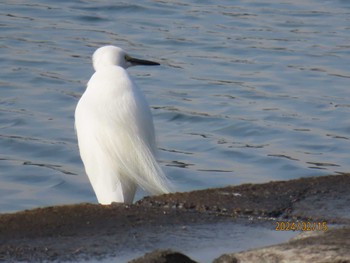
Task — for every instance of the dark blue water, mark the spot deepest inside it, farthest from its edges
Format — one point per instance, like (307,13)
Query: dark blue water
(248,91)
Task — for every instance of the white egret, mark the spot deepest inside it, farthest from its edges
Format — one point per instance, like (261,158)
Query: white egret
(115,131)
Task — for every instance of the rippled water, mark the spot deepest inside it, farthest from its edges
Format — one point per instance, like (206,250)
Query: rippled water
(248,91)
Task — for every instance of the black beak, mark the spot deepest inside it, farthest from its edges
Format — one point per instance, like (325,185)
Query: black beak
(135,61)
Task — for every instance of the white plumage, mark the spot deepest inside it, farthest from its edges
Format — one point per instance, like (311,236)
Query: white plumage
(115,131)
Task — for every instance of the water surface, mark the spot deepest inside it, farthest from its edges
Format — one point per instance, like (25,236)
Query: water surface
(247,92)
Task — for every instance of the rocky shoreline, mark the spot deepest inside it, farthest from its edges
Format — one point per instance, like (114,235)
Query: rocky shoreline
(93,232)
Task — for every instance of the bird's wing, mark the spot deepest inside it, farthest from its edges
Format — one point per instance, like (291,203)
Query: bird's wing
(131,141)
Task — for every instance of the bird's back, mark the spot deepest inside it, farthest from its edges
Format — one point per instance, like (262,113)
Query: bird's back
(116,138)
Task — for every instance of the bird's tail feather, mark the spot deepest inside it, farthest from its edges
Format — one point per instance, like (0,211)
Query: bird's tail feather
(147,173)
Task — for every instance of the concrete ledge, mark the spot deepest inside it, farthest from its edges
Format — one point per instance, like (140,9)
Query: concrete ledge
(92,232)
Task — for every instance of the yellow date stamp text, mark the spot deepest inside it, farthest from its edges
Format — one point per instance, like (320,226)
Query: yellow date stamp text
(301,226)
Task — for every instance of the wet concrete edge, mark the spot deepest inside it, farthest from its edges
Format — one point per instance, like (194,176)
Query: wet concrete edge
(75,232)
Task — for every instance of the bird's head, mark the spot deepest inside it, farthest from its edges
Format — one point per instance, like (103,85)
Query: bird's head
(112,55)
